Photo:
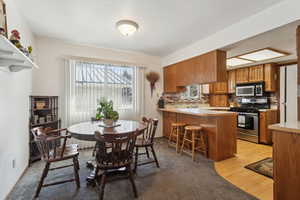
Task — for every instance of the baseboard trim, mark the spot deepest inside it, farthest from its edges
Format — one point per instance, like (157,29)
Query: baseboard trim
(23,173)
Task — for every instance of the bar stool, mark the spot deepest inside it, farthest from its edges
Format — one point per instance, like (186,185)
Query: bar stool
(177,129)
(202,139)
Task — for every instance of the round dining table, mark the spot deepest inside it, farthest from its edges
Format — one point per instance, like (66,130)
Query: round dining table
(86,131)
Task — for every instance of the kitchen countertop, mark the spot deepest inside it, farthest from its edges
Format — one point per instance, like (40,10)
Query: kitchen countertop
(265,110)
(291,127)
(197,111)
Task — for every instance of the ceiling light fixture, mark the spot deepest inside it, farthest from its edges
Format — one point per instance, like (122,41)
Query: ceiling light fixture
(232,62)
(263,54)
(127,27)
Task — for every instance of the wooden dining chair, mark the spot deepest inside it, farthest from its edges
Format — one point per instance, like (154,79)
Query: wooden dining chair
(113,152)
(53,148)
(146,142)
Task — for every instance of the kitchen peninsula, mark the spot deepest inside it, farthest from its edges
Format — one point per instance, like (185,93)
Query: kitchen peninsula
(218,125)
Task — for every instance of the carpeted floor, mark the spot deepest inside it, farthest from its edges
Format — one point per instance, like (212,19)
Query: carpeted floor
(178,179)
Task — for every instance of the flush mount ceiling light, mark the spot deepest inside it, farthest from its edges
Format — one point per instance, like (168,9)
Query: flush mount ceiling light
(255,56)
(127,27)
(263,54)
(237,61)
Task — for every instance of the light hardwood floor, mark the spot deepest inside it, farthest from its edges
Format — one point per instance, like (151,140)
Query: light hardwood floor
(234,170)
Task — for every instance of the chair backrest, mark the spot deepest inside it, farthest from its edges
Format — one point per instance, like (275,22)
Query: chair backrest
(114,150)
(48,144)
(149,132)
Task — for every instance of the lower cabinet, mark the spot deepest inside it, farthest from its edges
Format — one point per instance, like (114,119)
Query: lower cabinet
(286,170)
(168,119)
(265,119)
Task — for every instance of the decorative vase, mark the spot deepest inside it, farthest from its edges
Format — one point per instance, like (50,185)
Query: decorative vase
(108,122)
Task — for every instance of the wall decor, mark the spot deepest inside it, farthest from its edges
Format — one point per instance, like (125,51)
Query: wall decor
(3,19)
(152,77)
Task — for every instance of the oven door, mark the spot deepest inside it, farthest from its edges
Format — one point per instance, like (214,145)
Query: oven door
(245,91)
(245,121)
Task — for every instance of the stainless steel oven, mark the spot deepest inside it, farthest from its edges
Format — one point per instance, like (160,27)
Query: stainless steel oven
(247,124)
(248,117)
(250,90)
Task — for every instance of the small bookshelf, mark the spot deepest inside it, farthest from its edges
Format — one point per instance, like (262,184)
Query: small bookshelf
(43,113)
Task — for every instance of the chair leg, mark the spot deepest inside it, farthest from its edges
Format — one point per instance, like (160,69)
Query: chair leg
(132,181)
(147,152)
(44,174)
(154,155)
(102,186)
(76,174)
(136,158)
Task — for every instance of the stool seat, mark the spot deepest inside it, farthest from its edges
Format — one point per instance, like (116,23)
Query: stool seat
(193,128)
(178,124)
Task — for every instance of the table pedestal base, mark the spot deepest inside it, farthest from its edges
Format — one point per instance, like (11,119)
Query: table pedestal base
(93,177)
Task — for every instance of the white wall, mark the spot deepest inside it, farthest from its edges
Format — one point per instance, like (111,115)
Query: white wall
(15,89)
(278,15)
(49,79)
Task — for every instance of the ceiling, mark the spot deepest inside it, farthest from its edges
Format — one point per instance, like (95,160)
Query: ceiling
(282,38)
(165,25)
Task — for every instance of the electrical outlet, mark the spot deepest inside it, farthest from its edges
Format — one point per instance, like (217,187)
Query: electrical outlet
(14,163)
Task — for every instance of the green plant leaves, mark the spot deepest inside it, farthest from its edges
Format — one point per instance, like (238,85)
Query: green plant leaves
(105,110)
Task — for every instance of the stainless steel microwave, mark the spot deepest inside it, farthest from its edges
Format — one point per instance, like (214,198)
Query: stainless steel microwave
(250,90)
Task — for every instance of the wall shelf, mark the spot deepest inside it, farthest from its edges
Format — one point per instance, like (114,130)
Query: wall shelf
(12,59)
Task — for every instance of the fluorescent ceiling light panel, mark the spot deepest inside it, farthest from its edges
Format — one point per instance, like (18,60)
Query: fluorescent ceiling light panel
(264,54)
(236,62)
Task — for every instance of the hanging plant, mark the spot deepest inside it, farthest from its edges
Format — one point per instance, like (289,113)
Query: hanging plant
(152,77)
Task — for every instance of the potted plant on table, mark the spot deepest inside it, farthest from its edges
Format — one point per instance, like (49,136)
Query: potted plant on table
(106,112)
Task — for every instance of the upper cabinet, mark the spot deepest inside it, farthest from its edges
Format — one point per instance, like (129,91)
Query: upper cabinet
(185,72)
(206,68)
(242,75)
(170,79)
(219,88)
(256,73)
(210,67)
(270,78)
(267,73)
(231,81)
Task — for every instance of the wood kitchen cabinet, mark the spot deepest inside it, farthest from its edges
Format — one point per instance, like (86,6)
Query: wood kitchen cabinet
(231,82)
(219,88)
(265,119)
(168,119)
(170,79)
(242,75)
(218,100)
(185,72)
(206,68)
(256,73)
(210,67)
(270,78)
(286,162)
